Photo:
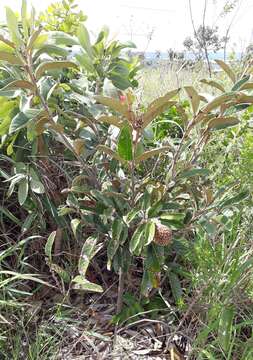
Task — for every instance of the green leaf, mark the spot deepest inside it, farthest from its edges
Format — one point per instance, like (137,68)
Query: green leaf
(240,83)
(175,286)
(29,221)
(22,191)
(84,39)
(74,225)
(83,284)
(24,18)
(152,262)
(45,85)
(53,65)
(12,23)
(10,45)
(10,58)
(136,238)
(128,218)
(125,143)
(86,62)
(89,250)
(22,118)
(225,328)
(36,38)
(37,187)
(149,233)
(61,38)
(223,122)
(235,199)
(18,122)
(49,245)
(10,216)
(36,184)
(194,172)
(64,275)
(119,81)
(51,50)
(119,235)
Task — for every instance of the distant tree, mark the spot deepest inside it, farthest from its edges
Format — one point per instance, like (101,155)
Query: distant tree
(206,39)
(175,55)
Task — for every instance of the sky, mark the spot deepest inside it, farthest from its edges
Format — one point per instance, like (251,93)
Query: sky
(157,25)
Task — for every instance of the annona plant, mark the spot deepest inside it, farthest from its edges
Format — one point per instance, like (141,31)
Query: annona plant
(133,195)
(150,195)
(47,116)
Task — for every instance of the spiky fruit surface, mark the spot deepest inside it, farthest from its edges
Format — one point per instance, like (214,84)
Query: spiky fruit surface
(163,235)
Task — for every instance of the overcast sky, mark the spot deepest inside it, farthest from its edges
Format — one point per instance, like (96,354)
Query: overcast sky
(167,20)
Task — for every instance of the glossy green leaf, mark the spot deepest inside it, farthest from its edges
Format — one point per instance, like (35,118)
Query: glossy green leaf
(119,81)
(114,242)
(51,50)
(89,250)
(49,245)
(37,186)
(136,238)
(125,143)
(18,122)
(29,221)
(225,328)
(10,45)
(45,85)
(53,65)
(238,85)
(235,199)
(152,261)
(84,39)
(149,233)
(85,62)
(61,38)
(63,274)
(74,225)
(223,122)
(22,191)
(175,286)
(12,23)
(81,283)
(194,172)
(21,119)
(24,18)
